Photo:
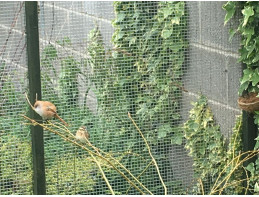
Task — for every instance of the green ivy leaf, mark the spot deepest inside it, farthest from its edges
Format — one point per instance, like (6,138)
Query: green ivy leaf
(166,33)
(177,139)
(232,32)
(255,77)
(250,49)
(256,145)
(120,17)
(175,20)
(251,168)
(248,32)
(243,87)
(202,150)
(230,7)
(247,75)
(194,126)
(167,11)
(256,59)
(163,130)
(247,12)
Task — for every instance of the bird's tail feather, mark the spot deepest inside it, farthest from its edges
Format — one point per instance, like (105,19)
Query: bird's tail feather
(57,116)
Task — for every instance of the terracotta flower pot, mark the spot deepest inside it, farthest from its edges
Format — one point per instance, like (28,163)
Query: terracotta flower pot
(249,102)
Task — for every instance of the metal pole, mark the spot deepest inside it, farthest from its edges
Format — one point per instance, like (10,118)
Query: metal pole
(249,133)
(31,14)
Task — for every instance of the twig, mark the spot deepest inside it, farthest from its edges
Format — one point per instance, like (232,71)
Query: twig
(103,175)
(98,155)
(141,174)
(229,175)
(136,179)
(232,184)
(250,155)
(247,185)
(202,188)
(101,170)
(29,101)
(149,150)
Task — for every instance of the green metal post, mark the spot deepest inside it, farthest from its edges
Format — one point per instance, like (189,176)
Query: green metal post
(31,12)
(249,134)
(249,130)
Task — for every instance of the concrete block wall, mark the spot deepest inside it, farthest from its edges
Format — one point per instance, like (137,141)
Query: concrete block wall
(211,66)
(212,70)
(211,61)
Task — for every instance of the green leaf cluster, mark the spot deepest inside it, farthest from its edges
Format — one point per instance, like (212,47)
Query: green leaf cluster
(71,174)
(208,149)
(16,162)
(249,55)
(141,74)
(204,142)
(248,28)
(152,47)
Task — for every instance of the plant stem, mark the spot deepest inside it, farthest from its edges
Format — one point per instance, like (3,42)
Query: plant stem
(104,177)
(140,175)
(149,150)
(33,122)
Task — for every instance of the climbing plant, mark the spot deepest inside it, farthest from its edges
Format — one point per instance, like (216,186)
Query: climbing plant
(141,74)
(249,55)
(213,159)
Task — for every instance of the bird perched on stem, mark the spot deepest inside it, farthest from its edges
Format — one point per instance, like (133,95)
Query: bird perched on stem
(82,134)
(47,111)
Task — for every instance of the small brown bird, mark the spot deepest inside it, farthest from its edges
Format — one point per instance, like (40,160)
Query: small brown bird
(82,134)
(47,111)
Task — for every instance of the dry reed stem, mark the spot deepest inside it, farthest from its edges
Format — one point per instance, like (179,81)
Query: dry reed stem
(66,139)
(33,122)
(201,184)
(234,167)
(101,170)
(140,174)
(250,155)
(109,156)
(149,150)
(29,101)
(103,174)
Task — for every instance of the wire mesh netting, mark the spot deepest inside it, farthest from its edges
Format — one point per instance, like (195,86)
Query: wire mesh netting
(101,61)
(15,145)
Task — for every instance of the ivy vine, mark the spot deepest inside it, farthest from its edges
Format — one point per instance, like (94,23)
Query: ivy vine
(209,151)
(249,55)
(140,75)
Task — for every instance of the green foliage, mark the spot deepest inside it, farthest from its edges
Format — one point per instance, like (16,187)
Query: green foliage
(16,162)
(154,75)
(140,75)
(74,174)
(249,55)
(249,52)
(204,142)
(206,146)
(68,81)
(234,149)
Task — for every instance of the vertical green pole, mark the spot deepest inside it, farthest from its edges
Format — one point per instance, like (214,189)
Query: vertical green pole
(31,14)
(249,133)
(249,130)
